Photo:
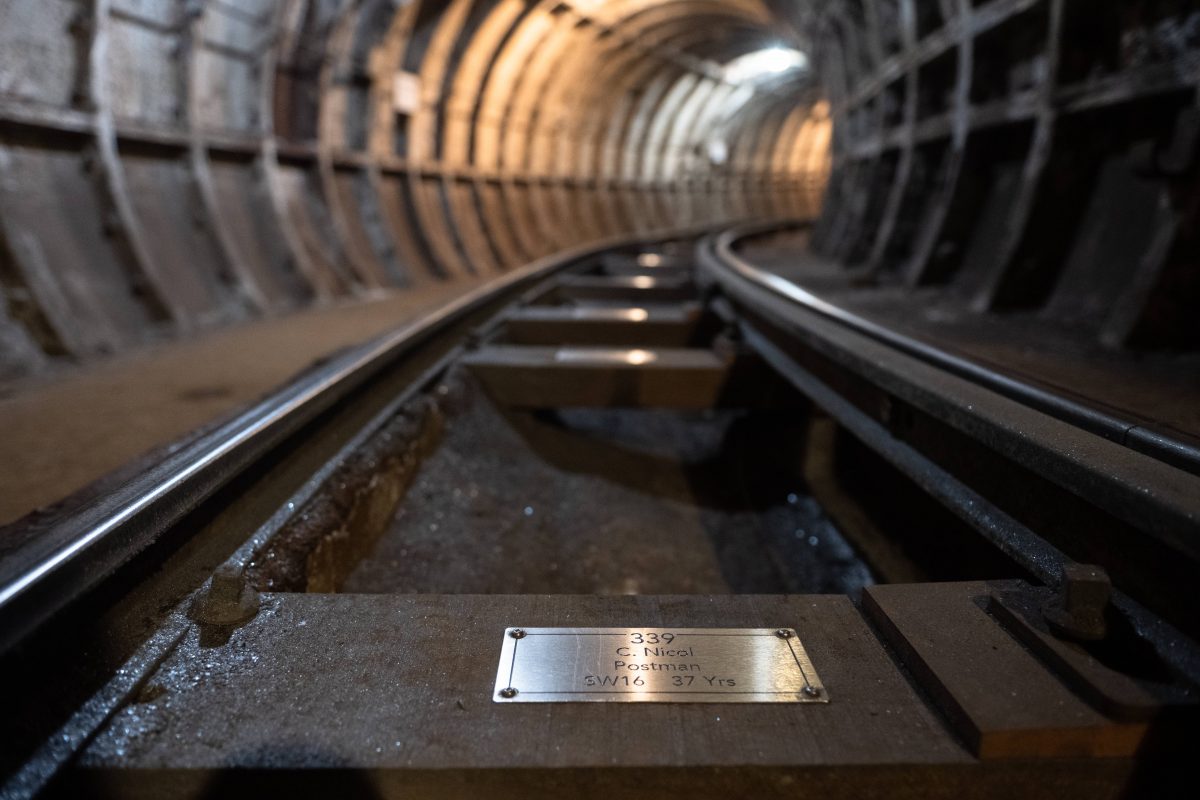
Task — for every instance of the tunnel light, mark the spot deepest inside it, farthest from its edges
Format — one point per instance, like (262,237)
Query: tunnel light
(717,151)
(406,92)
(764,64)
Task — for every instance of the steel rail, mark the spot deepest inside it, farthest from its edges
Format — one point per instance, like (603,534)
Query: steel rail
(1145,490)
(45,573)
(1024,546)
(1128,432)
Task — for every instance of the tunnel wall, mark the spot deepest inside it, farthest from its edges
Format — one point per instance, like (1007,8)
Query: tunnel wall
(1033,157)
(168,166)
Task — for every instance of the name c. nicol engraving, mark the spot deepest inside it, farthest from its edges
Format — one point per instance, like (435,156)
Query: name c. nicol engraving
(656,652)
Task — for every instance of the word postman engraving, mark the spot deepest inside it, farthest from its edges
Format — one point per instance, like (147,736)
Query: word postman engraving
(655,665)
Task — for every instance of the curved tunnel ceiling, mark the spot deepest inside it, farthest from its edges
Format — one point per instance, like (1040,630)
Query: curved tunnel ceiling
(168,166)
(172,165)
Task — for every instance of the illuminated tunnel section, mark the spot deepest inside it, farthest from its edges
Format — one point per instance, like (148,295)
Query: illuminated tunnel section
(169,166)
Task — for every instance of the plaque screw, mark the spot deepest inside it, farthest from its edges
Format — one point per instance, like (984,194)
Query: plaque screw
(517,633)
(783,633)
(811,691)
(508,693)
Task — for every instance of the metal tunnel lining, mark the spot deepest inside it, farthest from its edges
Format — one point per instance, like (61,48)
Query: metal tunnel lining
(209,162)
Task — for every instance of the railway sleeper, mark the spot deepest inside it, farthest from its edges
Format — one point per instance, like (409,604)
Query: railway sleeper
(661,326)
(637,290)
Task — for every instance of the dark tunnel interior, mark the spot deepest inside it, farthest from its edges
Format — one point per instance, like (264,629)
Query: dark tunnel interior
(1013,181)
(869,323)
(174,166)
(1014,177)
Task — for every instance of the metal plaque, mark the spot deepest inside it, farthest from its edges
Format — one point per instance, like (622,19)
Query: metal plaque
(655,665)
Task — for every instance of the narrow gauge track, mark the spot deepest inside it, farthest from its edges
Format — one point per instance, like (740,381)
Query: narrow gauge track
(731,411)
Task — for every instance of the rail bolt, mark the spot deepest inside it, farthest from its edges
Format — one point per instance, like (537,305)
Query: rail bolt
(1077,612)
(228,599)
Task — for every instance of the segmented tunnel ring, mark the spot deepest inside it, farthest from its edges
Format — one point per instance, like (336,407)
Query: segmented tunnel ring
(226,161)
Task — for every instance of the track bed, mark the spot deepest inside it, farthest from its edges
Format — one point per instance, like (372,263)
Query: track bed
(621,440)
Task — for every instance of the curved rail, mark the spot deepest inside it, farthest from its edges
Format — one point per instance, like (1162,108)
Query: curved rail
(1128,432)
(48,571)
(1145,490)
